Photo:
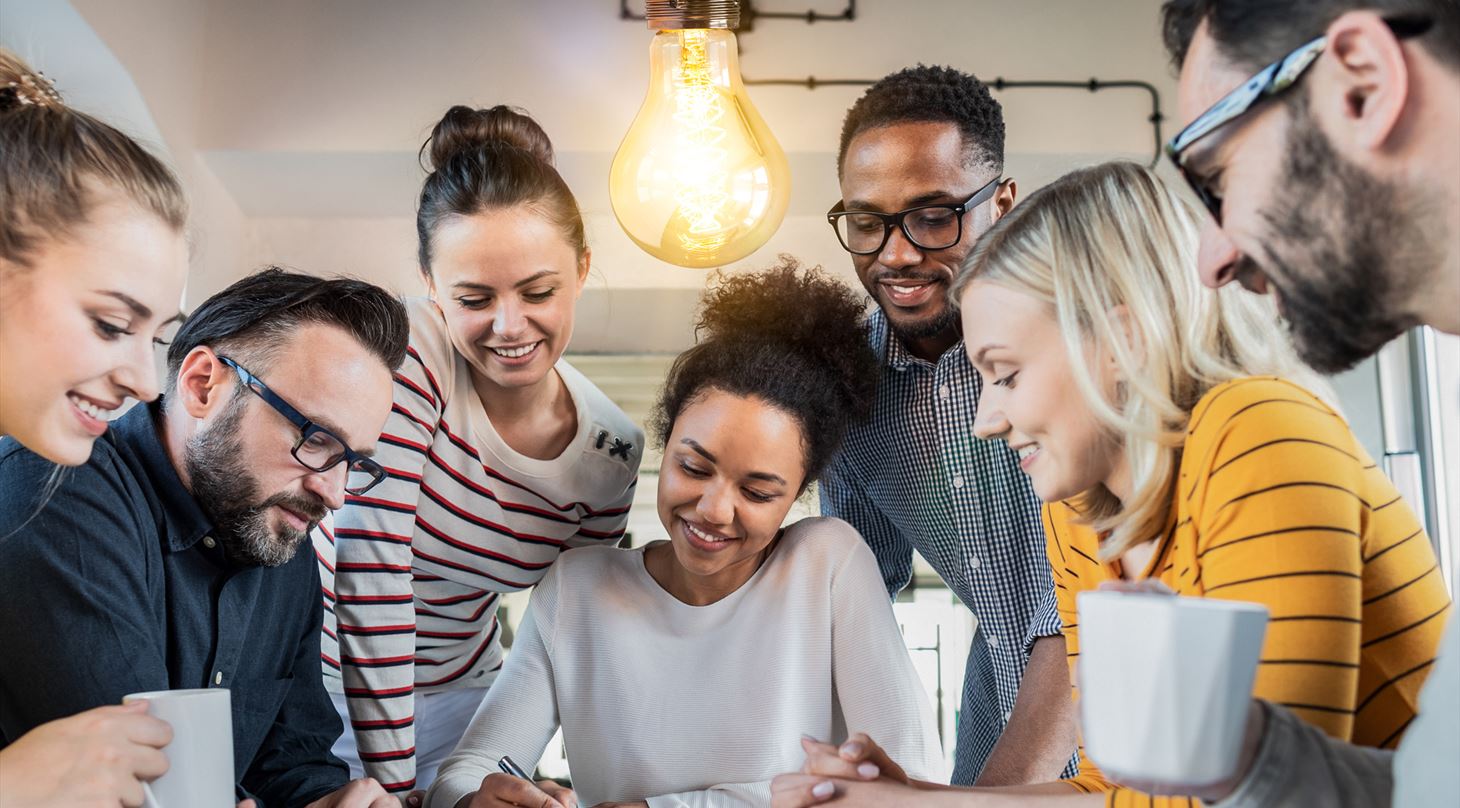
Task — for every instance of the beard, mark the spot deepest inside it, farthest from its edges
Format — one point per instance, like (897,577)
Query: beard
(229,495)
(1345,252)
(933,325)
(908,328)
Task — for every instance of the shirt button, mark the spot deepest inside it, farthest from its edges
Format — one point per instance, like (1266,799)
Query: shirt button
(1007,716)
(218,678)
(993,641)
(209,543)
(973,563)
(958,481)
(944,392)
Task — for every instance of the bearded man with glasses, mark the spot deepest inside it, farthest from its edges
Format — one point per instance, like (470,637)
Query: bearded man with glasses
(921,173)
(170,559)
(1324,139)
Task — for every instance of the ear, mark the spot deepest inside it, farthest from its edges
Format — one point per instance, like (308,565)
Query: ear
(584,264)
(1003,199)
(1125,331)
(203,382)
(1360,94)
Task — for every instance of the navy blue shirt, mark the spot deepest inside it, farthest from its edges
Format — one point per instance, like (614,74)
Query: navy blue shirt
(114,586)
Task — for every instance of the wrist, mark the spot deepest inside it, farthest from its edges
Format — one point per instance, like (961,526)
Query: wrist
(1257,720)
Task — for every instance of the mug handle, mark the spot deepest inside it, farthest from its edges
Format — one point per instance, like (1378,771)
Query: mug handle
(148,799)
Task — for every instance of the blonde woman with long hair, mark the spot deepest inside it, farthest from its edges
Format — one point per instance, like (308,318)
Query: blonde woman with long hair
(1175,438)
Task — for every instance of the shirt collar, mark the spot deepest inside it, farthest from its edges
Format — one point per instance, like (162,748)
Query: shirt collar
(140,431)
(891,350)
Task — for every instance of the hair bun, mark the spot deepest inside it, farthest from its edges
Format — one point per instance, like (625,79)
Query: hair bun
(21,86)
(465,129)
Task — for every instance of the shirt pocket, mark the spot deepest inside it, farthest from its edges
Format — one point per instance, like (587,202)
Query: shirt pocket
(261,696)
(256,704)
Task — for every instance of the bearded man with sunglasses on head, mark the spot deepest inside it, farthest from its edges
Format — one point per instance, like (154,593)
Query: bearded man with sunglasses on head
(1324,139)
(170,559)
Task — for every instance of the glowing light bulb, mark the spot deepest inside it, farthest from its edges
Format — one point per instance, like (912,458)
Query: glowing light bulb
(699,180)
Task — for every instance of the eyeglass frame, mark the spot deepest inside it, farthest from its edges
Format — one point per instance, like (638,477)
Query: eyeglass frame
(1269,82)
(307,429)
(899,219)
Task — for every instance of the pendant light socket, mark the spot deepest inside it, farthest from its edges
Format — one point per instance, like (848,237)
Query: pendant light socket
(669,15)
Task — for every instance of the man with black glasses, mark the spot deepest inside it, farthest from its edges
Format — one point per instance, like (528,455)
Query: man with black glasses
(1322,137)
(920,167)
(170,559)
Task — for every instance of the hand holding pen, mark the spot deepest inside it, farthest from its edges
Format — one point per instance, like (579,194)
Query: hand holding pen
(514,787)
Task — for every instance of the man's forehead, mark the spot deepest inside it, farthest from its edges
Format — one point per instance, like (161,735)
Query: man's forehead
(1206,77)
(893,164)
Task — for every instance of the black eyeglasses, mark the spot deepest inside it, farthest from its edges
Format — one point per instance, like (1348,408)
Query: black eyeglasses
(1269,82)
(317,449)
(928,227)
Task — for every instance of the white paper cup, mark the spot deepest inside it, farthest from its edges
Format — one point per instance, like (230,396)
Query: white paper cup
(1165,684)
(200,756)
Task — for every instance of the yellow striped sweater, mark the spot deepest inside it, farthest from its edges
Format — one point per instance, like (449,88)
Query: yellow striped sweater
(1277,503)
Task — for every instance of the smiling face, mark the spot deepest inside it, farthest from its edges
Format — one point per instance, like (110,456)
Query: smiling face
(240,469)
(1301,221)
(77,327)
(891,168)
(507,283)
(1028,399)
(732,468)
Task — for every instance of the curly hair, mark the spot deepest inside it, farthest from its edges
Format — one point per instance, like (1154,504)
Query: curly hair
(931,93)
(795,338)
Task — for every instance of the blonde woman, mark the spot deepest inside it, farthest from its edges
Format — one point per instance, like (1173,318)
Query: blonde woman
(92,265)
(1174,437)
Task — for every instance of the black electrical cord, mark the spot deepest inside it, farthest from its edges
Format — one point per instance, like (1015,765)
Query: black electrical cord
(1001,83)
(749,14)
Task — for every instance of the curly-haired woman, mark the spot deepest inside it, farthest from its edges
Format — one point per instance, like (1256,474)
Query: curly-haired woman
(687,672)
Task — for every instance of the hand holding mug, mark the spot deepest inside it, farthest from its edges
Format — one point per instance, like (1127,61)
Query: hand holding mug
(1215,792)
(101,755)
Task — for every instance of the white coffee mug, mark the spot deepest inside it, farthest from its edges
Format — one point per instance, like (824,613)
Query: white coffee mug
(1165,683)
(200,756)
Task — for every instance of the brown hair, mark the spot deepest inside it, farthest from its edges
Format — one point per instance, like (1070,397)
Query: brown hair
(57,160)
(482,159)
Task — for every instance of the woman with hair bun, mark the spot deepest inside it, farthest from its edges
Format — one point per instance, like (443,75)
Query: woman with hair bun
(500,454)
(688,672)
(92,267)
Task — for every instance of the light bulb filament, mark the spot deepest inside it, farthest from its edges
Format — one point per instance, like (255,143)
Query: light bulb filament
(700,172)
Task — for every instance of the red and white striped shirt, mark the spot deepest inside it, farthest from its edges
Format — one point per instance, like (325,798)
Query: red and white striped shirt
(413,570)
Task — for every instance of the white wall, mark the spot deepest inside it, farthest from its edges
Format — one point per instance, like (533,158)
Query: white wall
(296,122)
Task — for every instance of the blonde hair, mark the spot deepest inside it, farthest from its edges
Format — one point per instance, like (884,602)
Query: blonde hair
(57,160)
(1112,251)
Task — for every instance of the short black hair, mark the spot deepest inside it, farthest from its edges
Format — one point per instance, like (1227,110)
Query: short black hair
(794,338)
(252,319)
(931,93)
(1256,33)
